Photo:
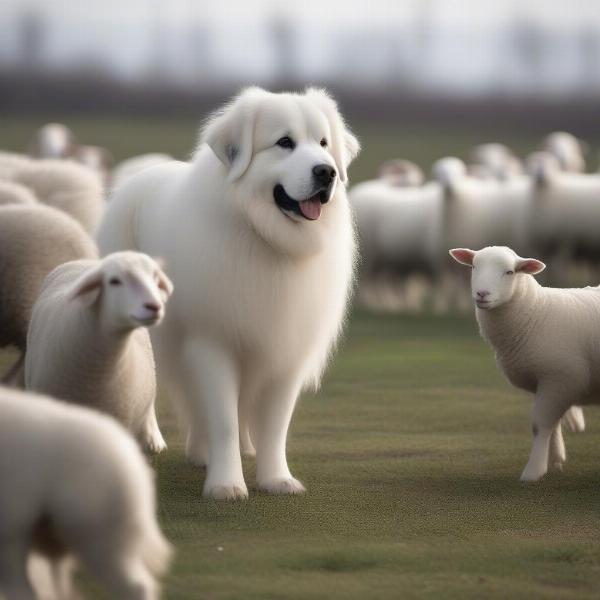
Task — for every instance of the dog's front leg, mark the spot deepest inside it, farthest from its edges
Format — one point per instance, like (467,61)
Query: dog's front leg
(215,377)
(271,419)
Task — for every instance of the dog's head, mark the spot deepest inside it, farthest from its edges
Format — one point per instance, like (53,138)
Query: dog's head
(286,156)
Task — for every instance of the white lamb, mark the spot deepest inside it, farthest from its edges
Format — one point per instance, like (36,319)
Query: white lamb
(498,160)
(53,140)
(569,150)
(73,482)
(88,343)
(545,340)
(65,185)
(402,173)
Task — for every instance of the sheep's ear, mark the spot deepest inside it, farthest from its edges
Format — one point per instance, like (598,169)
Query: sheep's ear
(344,146)
(230,133)
(164,283)
(532,266)
(87,288)
(464,256)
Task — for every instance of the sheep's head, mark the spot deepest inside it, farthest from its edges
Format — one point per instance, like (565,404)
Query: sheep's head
(495,272)
(130,289)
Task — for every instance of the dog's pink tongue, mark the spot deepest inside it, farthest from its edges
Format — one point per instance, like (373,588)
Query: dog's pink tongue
(311,208)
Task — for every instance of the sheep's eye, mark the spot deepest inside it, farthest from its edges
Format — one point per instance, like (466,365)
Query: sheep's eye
(286,142)
(510,272)
(114,281)
(324,143)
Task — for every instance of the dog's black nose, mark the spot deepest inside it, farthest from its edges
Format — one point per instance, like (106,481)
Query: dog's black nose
(324,174)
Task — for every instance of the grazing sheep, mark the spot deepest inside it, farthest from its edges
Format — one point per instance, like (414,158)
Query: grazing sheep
(567,209)
(401,173)
(73,482)
(569,150)
(401,235)
(33,240)
(545,340)
(14,193)
(498,160)
(67,186)
(53,140)
(88,343)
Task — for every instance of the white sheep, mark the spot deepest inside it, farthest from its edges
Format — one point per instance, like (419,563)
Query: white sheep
(53,140)
(65,185)
(73,482)
(567,209)
(569,150)
(401,173)
(545,341)
(10,161)
(15,193)
(401,235)
(498,160)
(34,239)
(88,343)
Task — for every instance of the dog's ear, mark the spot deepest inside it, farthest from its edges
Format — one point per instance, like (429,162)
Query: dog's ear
(345,146)
(230,132)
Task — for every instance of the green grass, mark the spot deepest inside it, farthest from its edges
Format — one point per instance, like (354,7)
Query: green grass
(411,453)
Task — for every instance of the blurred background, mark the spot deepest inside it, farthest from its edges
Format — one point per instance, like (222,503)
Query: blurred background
(417,78)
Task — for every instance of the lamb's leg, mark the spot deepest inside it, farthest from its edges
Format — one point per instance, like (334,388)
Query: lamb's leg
(14,583)
(558,453)
(547,411)
(574,419)
(211,372)
(272,415)
(151,437)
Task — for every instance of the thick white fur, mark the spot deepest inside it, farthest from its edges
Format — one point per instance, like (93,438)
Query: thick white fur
(73,481)
(14,193)
(136,164)
(65,185)
(569,150)
(34,239)
(87,341)
(260,295)
(545,340)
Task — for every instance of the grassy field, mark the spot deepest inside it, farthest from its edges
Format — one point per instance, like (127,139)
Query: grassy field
(411,453)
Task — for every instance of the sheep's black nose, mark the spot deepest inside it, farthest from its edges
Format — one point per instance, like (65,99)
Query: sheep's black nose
(324,174)
(152,307)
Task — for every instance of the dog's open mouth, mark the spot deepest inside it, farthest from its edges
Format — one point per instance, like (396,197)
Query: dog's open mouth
(310,208)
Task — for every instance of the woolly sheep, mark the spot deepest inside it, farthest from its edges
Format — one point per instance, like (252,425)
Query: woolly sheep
(498,160)
(401,173)
(11,161)
(88,343)
(96,158)
(53,140)
(67,186)
(569,150)
(14,193)
(33,240)
(545,341)
(567,209)
(73,482)
(400,232)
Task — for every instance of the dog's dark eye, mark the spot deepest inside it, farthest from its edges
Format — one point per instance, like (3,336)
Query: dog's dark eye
(510,272)
(286,142)
(324,143)
(114,281)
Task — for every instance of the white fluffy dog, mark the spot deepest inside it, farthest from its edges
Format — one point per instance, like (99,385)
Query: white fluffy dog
(258,239)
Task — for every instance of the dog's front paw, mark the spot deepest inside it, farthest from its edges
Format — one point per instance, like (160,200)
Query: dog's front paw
(226,491)
(286,485)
